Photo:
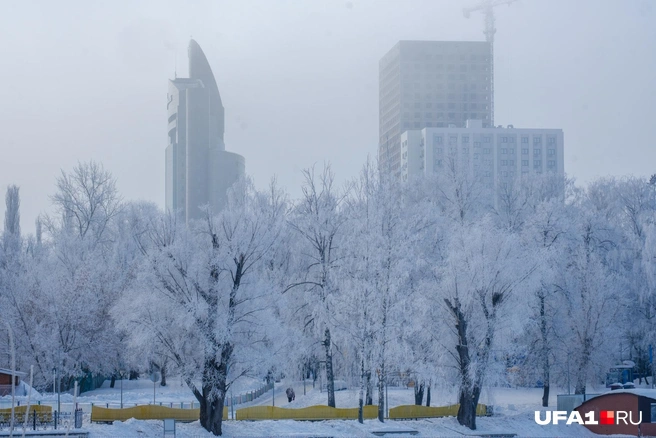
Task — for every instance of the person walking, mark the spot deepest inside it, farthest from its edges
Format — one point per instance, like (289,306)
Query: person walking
(290,394)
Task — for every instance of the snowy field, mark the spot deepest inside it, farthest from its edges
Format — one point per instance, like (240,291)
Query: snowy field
(514,412)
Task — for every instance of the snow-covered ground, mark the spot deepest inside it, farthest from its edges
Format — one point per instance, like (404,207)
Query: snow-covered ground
(514,412)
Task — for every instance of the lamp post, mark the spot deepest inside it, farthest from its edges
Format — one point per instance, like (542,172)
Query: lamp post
(58,399)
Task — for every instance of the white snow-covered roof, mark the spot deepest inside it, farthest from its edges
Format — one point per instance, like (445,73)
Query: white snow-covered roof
(643,392)
(16,373)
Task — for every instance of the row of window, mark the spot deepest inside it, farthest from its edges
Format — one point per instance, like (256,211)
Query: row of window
(440,56)
(537,164)
(440,115)
(465,150)
(537,139)
(443,105)
(438,82)
(451,67)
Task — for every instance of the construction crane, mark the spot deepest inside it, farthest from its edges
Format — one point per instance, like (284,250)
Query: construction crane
(487,7)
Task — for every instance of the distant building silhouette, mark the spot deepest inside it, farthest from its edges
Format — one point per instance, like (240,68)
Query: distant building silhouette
(199,170)
(430,84)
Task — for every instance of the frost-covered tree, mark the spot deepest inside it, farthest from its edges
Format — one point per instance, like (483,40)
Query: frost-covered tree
(318,221)
(11,235)
(87,199)
(208,277)
(375,267)
(478,284)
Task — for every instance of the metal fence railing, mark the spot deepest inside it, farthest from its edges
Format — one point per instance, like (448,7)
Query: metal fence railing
(248,396)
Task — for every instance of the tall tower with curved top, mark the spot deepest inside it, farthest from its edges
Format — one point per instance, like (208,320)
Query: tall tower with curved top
(199,170)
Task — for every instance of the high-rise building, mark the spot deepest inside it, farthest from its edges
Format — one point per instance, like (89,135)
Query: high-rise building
(424,84)
(199,170)
(495,156)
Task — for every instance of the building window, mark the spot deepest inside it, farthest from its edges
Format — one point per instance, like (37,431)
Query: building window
(537,163)
(429,115)
(511,139)
(504,162)
(477,144)
(551,152)
(439,150)
(524,140)
(465,150)
(537,140)
(504,151)
(551,163)
(465,139)
(524,162)
(537,151)
(452,105)
(551,140)
(417,115)
(453,139)
(511,162)
(417,125)
(486,150)
(504,139)
(486,139)
(524,151)
(511,150)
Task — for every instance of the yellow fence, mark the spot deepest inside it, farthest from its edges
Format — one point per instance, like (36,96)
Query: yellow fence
(147,412)
(310,413)
(44,413)
(416,411)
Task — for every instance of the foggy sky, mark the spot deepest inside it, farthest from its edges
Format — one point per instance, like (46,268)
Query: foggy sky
(87,80)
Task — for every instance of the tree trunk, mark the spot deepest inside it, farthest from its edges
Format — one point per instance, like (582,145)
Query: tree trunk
(545,352)
(369,398)
(468,401)
(362,389)
(581,375)
(545,395)
(382,376)
(419,393)
(381,394)
(428,396)
(163,373)
(469,392)
(330,375)
(113,381)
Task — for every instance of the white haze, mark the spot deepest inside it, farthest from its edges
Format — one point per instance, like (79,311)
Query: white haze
(299,80)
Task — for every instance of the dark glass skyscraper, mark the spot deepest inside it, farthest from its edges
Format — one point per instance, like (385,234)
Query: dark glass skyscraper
(199,170)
